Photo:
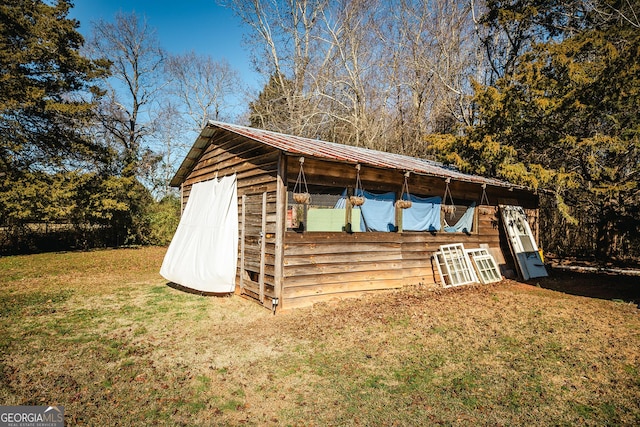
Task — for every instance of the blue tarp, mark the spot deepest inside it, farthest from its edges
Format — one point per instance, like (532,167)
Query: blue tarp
(378,211)
(465,223)
(376,214)
(342,201)
(423,215)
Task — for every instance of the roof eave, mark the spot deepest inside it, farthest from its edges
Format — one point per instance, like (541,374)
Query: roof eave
(344,154)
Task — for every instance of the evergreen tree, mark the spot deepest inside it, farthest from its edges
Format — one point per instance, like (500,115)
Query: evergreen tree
(51,169)
(45,86)
(567,120)
(270,110)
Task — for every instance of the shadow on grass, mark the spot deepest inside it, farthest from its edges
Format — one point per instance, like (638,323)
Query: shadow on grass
(197,292)
(609,286)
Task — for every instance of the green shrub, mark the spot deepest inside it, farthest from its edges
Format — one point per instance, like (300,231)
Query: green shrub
(163,217)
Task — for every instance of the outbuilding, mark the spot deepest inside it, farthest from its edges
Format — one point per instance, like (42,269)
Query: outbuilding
(290,221)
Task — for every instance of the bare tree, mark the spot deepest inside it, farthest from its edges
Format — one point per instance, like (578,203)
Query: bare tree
(413,70)
(626,10)
(284,42)
(378,74)
(351,78)
(136,58)
(437,53)
(170,133)
(204,87)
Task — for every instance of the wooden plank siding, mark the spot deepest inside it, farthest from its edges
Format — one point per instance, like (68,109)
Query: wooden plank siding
(336,174)
(304,268)
(320,266)
(324,266)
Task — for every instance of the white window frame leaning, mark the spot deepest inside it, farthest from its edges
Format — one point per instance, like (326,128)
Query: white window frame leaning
(485,265)
(454,266)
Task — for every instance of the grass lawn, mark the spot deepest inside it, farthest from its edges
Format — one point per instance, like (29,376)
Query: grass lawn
(103,335)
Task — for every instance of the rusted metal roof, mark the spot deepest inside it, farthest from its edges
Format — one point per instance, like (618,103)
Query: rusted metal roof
(296,145)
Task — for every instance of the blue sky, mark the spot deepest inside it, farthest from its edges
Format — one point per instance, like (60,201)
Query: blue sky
(182,26)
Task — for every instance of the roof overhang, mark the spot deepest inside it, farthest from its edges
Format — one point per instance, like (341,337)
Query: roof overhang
(298,146)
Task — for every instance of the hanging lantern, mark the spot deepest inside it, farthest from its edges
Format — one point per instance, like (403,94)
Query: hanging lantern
(405,201)
(299,196)
(358,193)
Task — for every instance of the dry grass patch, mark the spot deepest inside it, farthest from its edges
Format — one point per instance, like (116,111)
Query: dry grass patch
(102,334)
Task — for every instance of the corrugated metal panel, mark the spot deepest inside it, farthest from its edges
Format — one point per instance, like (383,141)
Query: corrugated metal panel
(330,151)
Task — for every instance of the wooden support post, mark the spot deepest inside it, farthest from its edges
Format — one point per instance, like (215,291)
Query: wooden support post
(242,240)
(181,198)
(398,213)
(281,225)
(348,224)
(476,222)
(263,244)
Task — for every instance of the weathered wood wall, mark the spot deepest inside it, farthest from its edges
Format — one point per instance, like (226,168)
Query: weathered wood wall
(325,266)
(256,167)
(327,173)
(304,268)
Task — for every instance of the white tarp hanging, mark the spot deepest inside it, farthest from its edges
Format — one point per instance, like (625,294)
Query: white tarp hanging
(203,253)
